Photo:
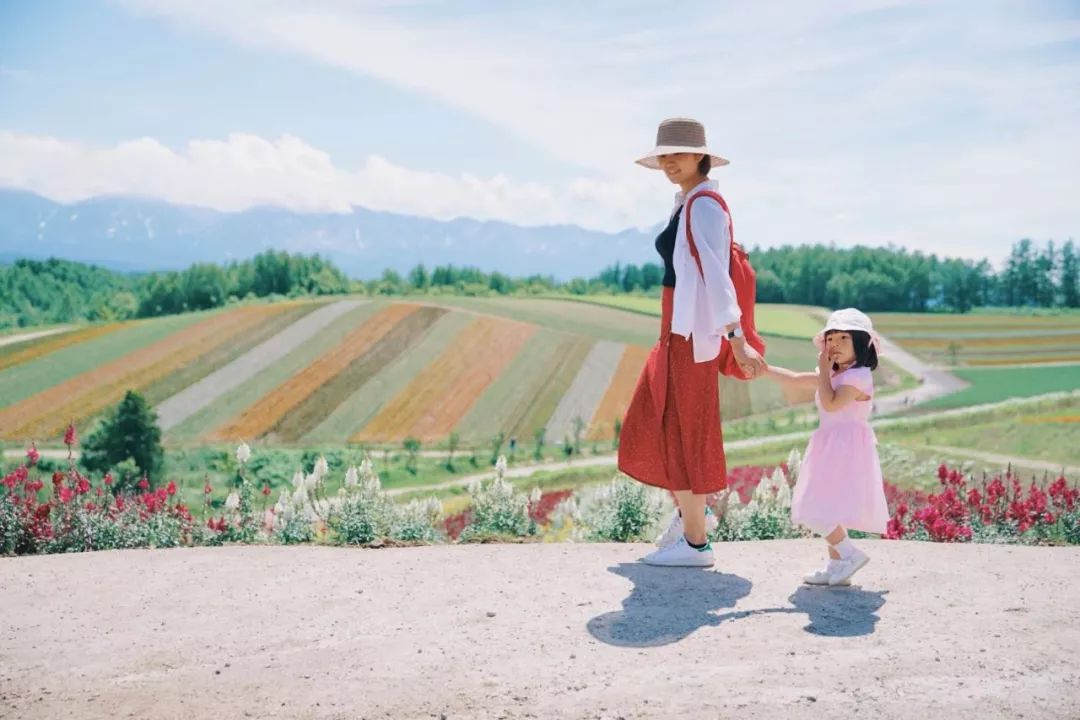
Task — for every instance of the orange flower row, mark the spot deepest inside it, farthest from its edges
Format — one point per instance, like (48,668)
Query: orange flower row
(261,417)
(619,392)
(437,399)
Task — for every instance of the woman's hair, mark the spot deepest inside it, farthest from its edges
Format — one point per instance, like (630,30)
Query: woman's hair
(704,166)
(865,353)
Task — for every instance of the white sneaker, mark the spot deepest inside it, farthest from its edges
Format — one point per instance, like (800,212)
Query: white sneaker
(675,528)
(821,577)
(847,567)
(680,554)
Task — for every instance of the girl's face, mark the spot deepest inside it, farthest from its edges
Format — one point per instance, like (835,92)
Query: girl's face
(839,348)
(680,167)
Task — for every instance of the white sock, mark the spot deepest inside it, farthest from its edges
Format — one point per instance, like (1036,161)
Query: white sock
(845,547)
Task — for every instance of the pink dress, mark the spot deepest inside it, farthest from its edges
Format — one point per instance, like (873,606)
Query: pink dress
(840,479)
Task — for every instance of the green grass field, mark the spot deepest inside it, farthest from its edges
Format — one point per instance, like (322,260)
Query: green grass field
(994,384)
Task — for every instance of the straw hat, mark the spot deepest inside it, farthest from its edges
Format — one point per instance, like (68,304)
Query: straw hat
(679,135)
(847,320)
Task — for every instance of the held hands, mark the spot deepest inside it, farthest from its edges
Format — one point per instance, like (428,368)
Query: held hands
(750,361)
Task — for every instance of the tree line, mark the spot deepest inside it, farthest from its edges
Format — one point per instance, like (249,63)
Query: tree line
(40,292)
(37,292)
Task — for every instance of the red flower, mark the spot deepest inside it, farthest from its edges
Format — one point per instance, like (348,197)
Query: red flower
(58,478)
(82,485)
(171,488)
(69,436)
(207,489)
(266,490)
(942,473)
(66,494)
(144,484)
(108,479)
(32,455)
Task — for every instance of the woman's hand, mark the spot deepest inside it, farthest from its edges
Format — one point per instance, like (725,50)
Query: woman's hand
(750,361)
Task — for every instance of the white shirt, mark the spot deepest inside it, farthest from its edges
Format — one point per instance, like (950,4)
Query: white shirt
(704,308)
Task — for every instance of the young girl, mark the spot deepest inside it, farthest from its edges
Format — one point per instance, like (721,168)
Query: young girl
(840,484)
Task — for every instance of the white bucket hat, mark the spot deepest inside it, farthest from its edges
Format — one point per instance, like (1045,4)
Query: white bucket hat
(849,319)
(679,135)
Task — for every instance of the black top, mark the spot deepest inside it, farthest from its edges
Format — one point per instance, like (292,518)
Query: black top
(665,245)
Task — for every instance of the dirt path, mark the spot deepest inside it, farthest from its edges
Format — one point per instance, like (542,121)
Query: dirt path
(1004,460)
(24,337)
(562,631)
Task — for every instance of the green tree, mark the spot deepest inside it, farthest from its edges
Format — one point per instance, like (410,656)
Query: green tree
(129,431)
(1070,282)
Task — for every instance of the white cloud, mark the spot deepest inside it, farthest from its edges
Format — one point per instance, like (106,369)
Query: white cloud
(246,170)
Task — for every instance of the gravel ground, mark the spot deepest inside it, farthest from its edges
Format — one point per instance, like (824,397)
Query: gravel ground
(539,631)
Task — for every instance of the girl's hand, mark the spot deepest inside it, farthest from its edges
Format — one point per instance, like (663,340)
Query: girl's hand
(824,364)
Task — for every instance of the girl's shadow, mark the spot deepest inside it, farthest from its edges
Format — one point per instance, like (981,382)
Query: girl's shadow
(667,604)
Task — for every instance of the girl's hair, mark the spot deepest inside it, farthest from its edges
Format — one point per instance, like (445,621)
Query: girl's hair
(865,353)
(704,166)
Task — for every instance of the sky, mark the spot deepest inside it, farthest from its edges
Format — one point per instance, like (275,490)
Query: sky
(939,126)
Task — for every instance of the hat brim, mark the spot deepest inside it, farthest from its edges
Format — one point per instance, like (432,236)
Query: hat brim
(652,160)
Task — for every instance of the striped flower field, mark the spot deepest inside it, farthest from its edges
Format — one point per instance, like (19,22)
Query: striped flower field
(359,370)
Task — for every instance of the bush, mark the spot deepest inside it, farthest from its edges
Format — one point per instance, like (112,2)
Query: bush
(621,511)
(498,511)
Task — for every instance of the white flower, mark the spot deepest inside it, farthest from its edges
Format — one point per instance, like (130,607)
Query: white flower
(366,466)
(298,479)
(535,496)
(299,496)
(243,453)
(232,502)
(433,507)
(312,482)
(500,467)
(352,477)
(321,467)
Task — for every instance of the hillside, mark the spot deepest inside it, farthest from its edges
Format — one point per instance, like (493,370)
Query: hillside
(359,370)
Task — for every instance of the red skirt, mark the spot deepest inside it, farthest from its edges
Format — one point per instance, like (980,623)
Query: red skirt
(671,436)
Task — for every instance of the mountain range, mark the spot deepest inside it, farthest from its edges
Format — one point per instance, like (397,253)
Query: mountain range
(138,234)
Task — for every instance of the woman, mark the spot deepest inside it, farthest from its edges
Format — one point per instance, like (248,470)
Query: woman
(671,435)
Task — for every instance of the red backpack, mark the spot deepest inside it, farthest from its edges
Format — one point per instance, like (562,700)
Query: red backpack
(745,281)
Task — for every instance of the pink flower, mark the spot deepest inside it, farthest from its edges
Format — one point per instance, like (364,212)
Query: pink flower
(144,484)
(66,494)
(171,489)
(32,455)
(108,479)
(69,436)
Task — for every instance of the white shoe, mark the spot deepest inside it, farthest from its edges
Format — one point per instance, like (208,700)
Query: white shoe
(680,554)
(847,567)
(821,577)
(675,528)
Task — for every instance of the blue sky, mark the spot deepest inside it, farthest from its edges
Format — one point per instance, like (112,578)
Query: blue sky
(938,126)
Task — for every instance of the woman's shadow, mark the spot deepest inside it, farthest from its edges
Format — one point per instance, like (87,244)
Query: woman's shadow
(668,604)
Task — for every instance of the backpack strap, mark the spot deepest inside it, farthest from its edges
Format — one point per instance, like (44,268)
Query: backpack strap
(690,235)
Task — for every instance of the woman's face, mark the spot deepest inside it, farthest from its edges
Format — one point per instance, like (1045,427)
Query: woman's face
(680,167)
(839,348)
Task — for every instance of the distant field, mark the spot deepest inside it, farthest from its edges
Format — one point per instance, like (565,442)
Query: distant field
(795,321)
(985,339)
